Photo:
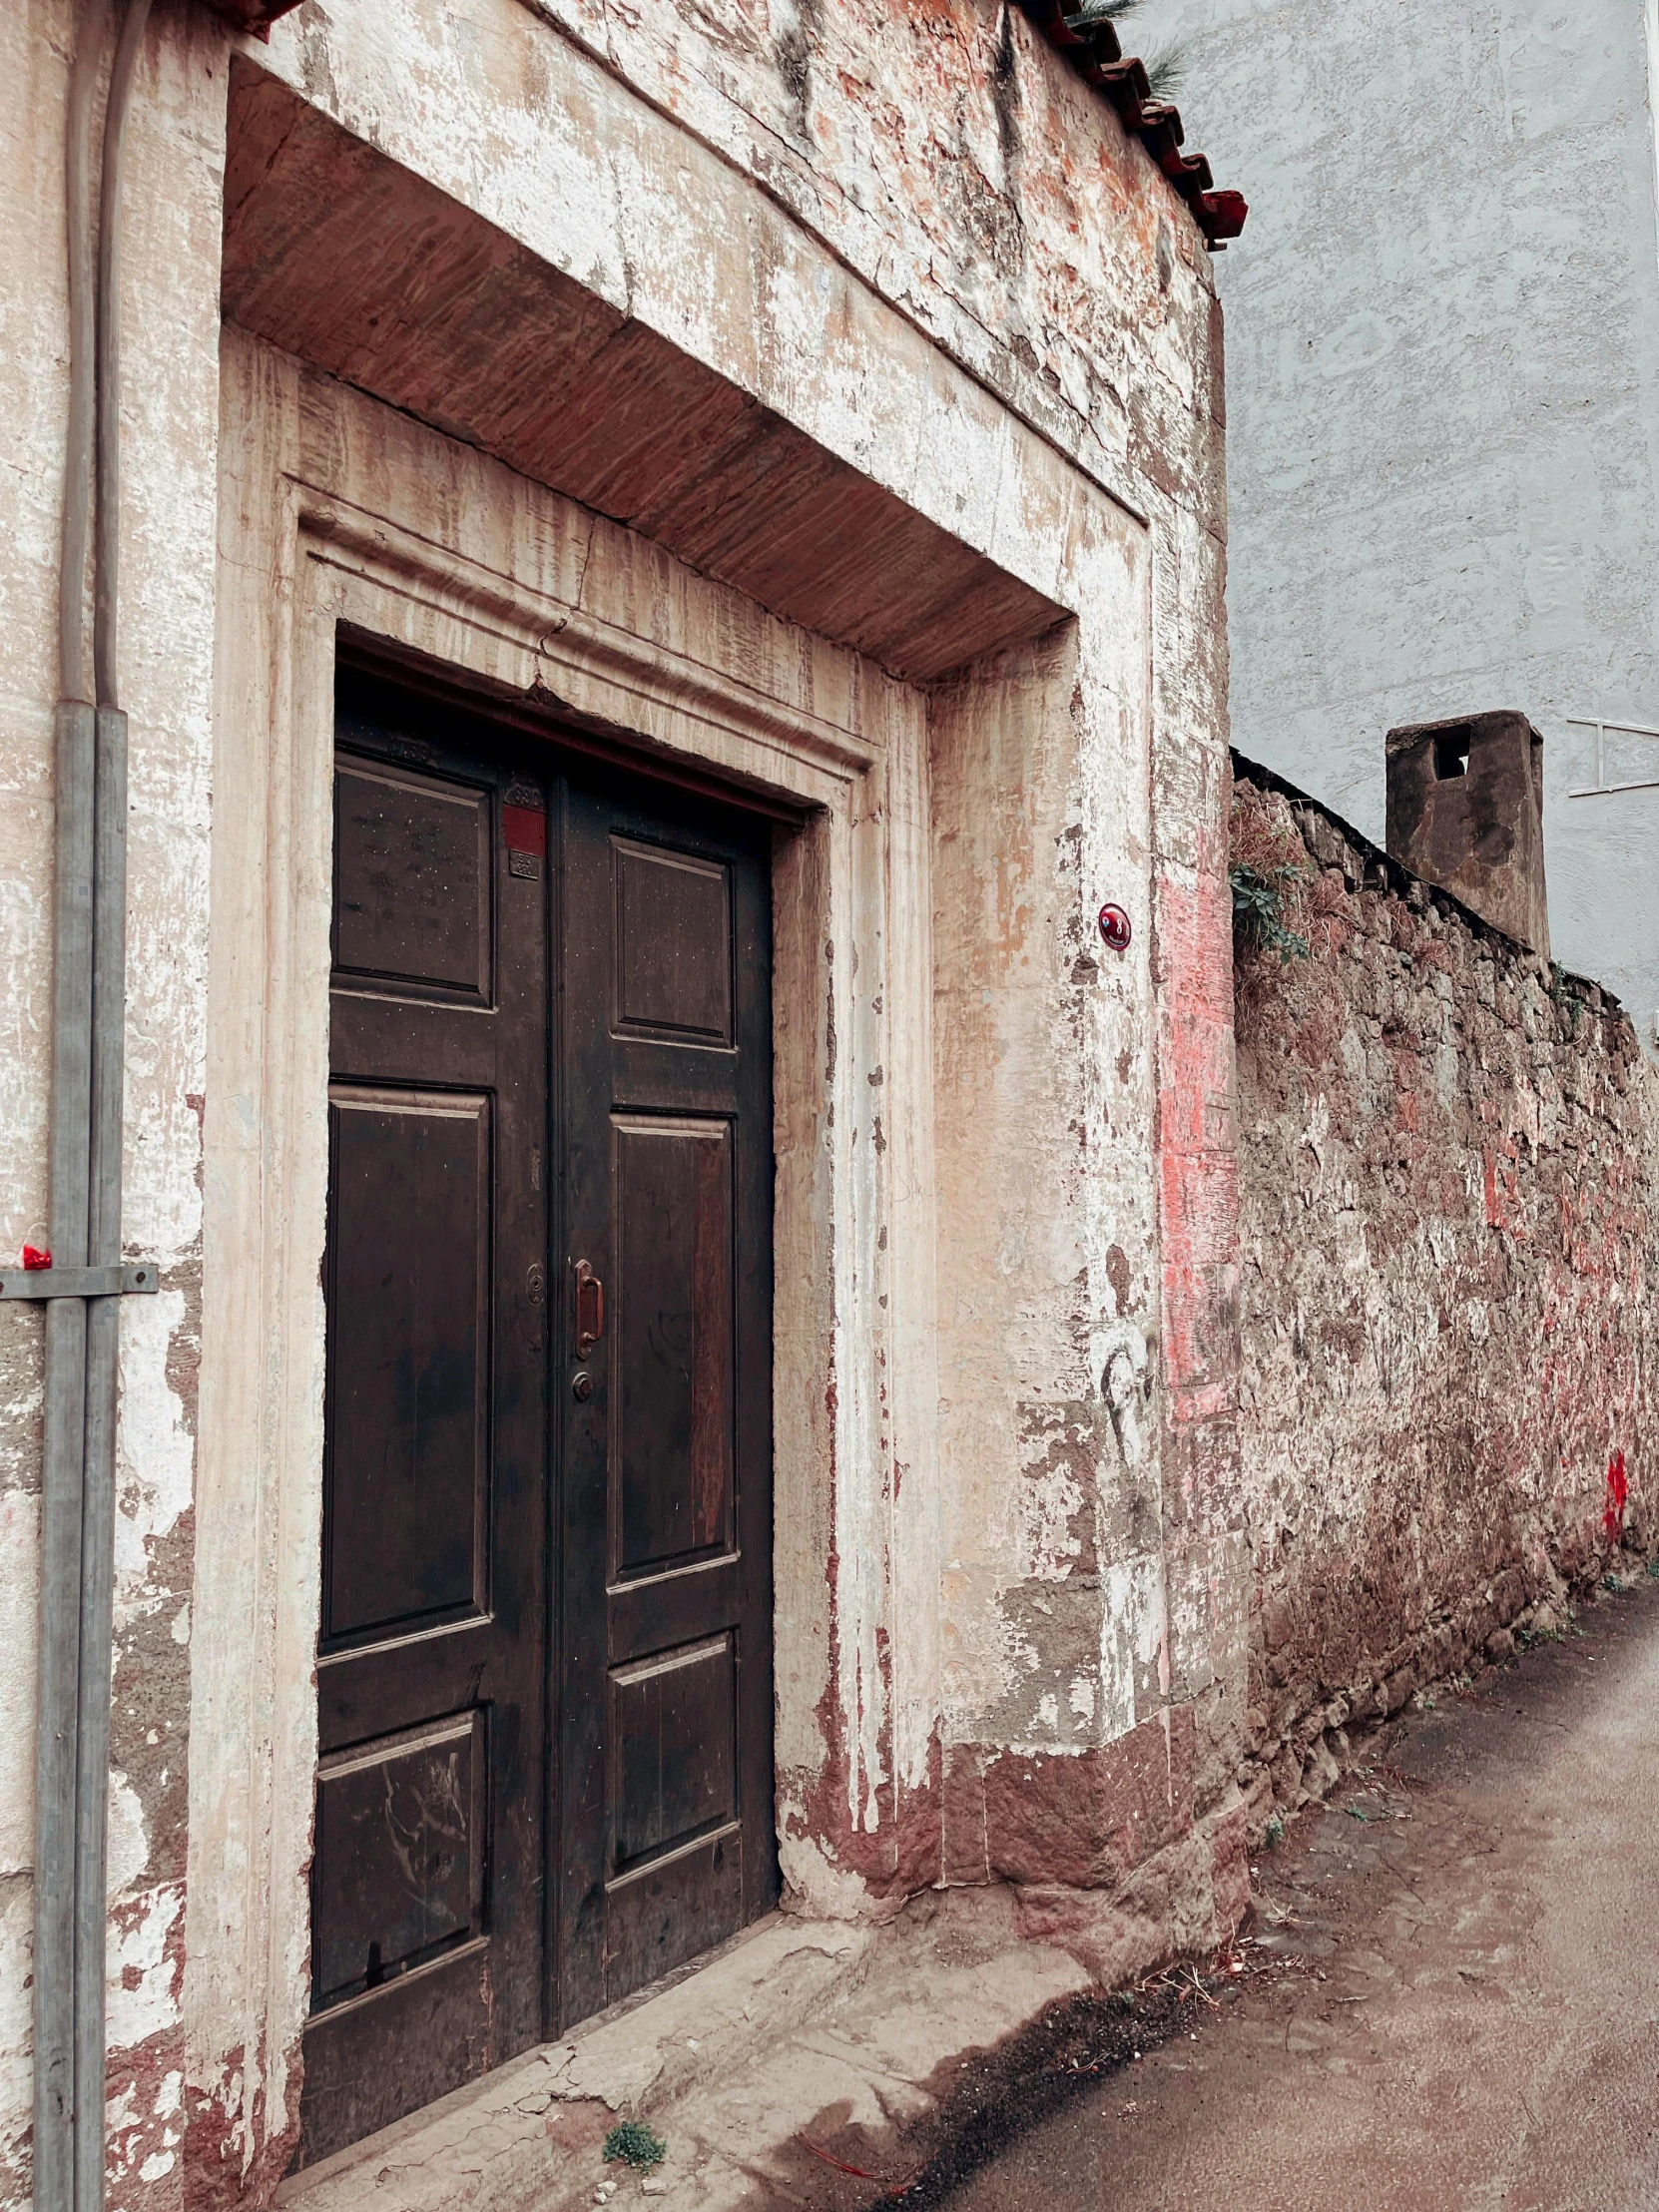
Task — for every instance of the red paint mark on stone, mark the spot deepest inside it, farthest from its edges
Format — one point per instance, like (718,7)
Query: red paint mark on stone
(902,1854)
(229,2160)
(1618,1492)
(1197,1183)
(1087,1820)
(36,1259)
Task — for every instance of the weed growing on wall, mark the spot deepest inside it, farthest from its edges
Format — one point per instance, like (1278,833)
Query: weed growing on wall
(1568,1006)
(1269,876)
(1258,914)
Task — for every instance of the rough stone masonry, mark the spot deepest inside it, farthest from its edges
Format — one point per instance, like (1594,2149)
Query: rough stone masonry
(1448,1176)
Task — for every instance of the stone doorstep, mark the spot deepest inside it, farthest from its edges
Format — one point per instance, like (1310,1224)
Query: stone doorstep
(794,2022)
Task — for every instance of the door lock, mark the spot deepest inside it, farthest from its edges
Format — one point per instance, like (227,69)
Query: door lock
(581,1385)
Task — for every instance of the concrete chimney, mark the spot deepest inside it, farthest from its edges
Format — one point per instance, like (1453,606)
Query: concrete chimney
(1467,811)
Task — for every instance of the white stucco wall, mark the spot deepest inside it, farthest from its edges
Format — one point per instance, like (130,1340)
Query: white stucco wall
(1443,404)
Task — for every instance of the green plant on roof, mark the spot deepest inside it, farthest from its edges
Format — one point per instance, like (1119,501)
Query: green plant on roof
(637,2144)
(1165,71)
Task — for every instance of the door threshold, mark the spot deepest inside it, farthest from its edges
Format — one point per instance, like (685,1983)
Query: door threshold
(731,2060)
(651,2042)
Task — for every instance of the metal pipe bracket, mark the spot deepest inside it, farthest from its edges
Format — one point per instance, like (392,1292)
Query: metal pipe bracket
(142,1281)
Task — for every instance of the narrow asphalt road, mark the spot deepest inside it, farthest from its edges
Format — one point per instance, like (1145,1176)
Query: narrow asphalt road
(1453,2000)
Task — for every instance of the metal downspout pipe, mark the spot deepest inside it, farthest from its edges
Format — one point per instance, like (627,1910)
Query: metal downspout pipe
(83,1333)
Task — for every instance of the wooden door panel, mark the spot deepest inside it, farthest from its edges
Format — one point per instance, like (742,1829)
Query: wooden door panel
(671,943)
(406,1478)
(660,1611)
(673,1749)
(458,1665)
(394,1038)
(395,2048)
(652,1078)
(400,1842)
(671,1403)
(413,880)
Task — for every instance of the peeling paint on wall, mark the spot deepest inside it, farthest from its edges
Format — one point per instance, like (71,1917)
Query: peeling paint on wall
(940,259)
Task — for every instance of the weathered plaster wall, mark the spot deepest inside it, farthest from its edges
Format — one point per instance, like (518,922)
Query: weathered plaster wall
(1094,1605)
(1449,1190)
(171,401)
(991,202)
(919,239)
(1444,324)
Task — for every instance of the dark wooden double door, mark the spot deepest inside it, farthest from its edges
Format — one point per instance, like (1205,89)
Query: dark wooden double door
(544,1667)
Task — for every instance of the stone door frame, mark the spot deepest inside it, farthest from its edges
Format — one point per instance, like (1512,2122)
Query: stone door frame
(310,548)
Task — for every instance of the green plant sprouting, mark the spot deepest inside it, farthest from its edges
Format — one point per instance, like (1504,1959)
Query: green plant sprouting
(637,2144)
(1259,911)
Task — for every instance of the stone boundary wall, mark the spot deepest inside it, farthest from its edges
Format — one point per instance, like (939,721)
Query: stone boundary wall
(1448,1168)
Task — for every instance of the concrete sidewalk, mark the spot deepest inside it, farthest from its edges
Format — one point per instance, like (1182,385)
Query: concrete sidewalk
(797,2023)
(1454,2001)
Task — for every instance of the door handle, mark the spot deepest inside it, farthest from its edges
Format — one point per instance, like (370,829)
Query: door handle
(590,1309)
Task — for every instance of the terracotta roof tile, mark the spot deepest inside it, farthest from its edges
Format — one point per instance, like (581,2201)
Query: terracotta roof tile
(1100,61)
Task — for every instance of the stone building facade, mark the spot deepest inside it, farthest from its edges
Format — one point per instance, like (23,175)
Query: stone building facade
(800,423)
